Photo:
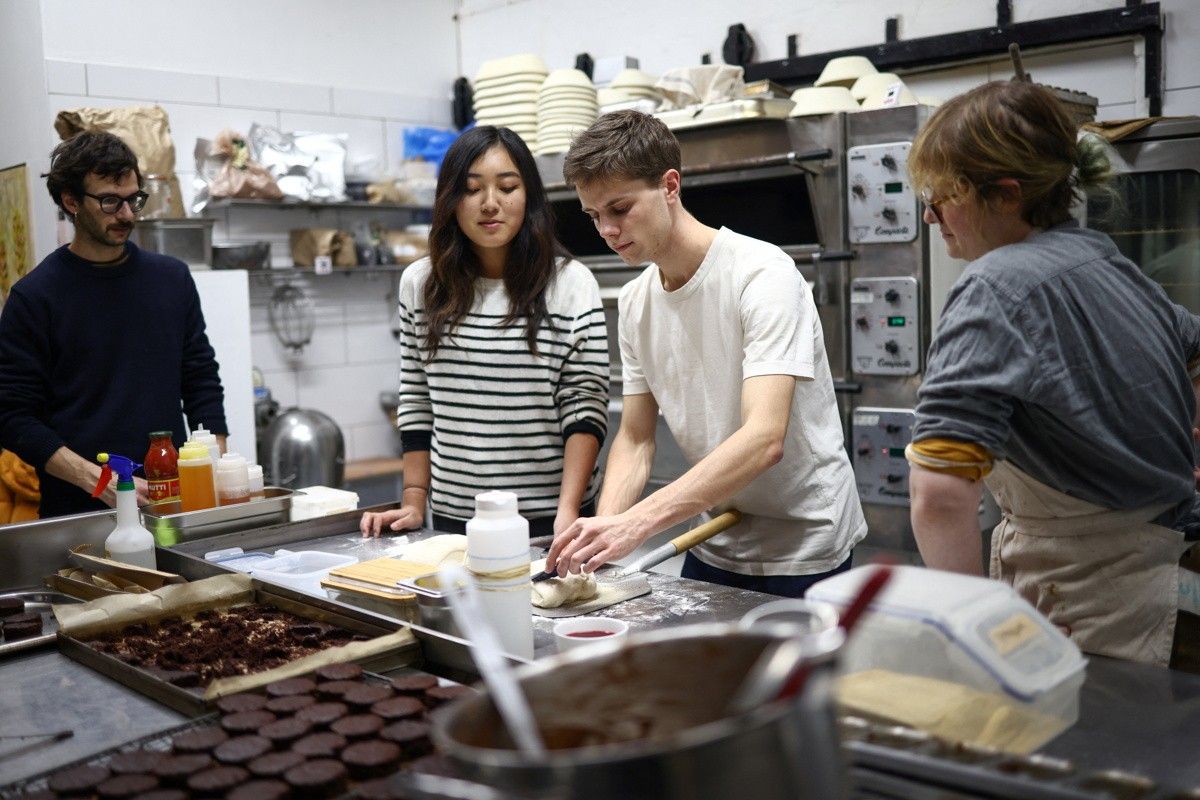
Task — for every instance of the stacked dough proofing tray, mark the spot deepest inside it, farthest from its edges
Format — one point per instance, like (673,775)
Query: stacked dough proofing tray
(899,763)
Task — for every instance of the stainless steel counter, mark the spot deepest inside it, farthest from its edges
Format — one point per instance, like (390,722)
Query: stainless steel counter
(1133,717)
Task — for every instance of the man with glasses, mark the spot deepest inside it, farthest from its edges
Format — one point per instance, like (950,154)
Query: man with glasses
(103,342)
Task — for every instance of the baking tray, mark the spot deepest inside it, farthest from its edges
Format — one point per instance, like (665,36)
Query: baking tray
(740,110)
(38,600)
(191,701)
(165,520)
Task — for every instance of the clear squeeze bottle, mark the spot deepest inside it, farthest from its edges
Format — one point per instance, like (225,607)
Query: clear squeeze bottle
(233,480)
(498,558)
(129,541)
(197,489)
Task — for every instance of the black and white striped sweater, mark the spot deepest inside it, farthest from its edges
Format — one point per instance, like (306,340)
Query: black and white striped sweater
(492,415)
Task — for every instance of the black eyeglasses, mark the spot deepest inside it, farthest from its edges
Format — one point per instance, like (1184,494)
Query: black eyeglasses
(933,204)
(111,203)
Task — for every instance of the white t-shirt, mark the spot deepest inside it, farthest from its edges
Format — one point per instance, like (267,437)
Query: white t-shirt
(747,312)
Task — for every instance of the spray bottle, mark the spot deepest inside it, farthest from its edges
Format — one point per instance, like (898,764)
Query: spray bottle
(129,541)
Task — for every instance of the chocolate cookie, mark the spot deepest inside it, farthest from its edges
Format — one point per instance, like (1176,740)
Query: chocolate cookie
(217,781)
(333,690)
(162,794)
(78,780)
(371,759)
(247,721)
(440,695)
(415,685)
(339,672)
(122,786)
(283,732)
(320,745)
(237,703)
(397,708)
(357,726)
(135,762)
(199,740)
(241,749)
(322,715)
(273,765)
(10,606)
(261,790)
(321,778)
(175,770)
(412,736)
(22,626)
(365,695)
(289,704)
(291,686)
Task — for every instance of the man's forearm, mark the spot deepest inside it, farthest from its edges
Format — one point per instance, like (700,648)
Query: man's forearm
(625,474)
(728,469)
(69,466)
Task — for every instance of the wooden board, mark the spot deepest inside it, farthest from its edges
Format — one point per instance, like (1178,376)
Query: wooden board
(377,577)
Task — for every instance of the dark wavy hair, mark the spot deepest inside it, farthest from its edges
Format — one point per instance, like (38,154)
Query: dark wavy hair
(90,151)
(532,254)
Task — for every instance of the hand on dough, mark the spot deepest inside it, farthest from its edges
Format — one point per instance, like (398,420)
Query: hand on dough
(557,592)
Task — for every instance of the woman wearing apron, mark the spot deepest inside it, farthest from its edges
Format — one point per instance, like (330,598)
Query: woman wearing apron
(1058,376)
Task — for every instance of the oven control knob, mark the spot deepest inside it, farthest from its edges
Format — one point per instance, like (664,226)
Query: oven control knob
(858,190)
(891,295)
(889,162)
(862,323)
(891,346)
(864,450)
(889,213)
(894,478)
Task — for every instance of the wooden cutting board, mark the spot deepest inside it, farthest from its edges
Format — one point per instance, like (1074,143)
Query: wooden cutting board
(377,577)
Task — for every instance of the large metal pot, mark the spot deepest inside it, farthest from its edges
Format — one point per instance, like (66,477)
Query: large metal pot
(785,750)
(303,447)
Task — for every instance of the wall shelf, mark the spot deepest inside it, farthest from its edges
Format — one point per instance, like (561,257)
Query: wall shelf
(292,205)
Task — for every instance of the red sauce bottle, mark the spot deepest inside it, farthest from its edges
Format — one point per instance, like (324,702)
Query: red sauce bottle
(162,467)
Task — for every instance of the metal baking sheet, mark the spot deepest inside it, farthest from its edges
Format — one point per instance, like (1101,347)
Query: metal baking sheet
(39,601)
(166,518)
(740,110)
(191,701)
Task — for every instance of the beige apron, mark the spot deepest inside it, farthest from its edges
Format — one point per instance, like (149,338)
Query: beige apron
(1110,577)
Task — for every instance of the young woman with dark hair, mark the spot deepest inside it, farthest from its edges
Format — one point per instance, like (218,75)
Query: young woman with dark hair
(504,359)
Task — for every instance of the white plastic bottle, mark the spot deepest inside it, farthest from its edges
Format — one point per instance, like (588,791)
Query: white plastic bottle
(129,541)
(233,480)
(209,440)
(498,557)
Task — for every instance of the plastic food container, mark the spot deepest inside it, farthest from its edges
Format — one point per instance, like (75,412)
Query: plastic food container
(301,570)
(965,630)
(321,501)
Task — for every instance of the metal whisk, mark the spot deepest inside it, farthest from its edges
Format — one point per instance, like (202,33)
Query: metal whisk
(293,317)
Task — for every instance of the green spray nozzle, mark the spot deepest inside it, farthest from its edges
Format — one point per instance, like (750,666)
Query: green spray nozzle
(121,465)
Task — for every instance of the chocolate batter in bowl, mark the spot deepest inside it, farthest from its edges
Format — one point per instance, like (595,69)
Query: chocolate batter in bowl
(647,718)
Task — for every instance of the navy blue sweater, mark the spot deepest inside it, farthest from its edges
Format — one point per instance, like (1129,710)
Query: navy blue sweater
(97,357)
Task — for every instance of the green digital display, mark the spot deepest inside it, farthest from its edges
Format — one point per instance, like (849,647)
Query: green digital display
(897,322)
(895,452)
(893,188)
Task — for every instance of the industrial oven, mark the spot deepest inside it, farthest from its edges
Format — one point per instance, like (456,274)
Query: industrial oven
(833,192)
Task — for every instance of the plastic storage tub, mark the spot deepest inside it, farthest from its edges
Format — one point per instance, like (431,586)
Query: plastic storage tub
(965,630)
(321,501)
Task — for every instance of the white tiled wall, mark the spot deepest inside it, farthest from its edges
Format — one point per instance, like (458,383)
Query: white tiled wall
(353,356)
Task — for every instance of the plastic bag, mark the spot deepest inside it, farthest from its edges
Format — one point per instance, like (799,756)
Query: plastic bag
(224,169)
(428,144)
(307,166)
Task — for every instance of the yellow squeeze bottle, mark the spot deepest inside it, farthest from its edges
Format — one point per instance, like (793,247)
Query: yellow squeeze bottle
(197,486)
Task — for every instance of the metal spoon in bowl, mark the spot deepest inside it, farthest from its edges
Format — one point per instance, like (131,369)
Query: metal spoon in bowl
(467,609)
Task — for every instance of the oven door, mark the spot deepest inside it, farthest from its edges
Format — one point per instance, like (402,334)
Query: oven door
(1154,216)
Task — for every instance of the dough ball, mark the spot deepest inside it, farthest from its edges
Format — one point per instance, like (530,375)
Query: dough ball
(562,591)
(446,548)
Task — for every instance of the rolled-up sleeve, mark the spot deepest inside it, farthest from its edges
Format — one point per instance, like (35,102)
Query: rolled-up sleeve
(582,391)
(980,361)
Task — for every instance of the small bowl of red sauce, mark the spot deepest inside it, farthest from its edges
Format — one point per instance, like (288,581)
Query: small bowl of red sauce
(582,631)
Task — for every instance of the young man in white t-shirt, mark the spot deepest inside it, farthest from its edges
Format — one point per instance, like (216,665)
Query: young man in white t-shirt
(719,332)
